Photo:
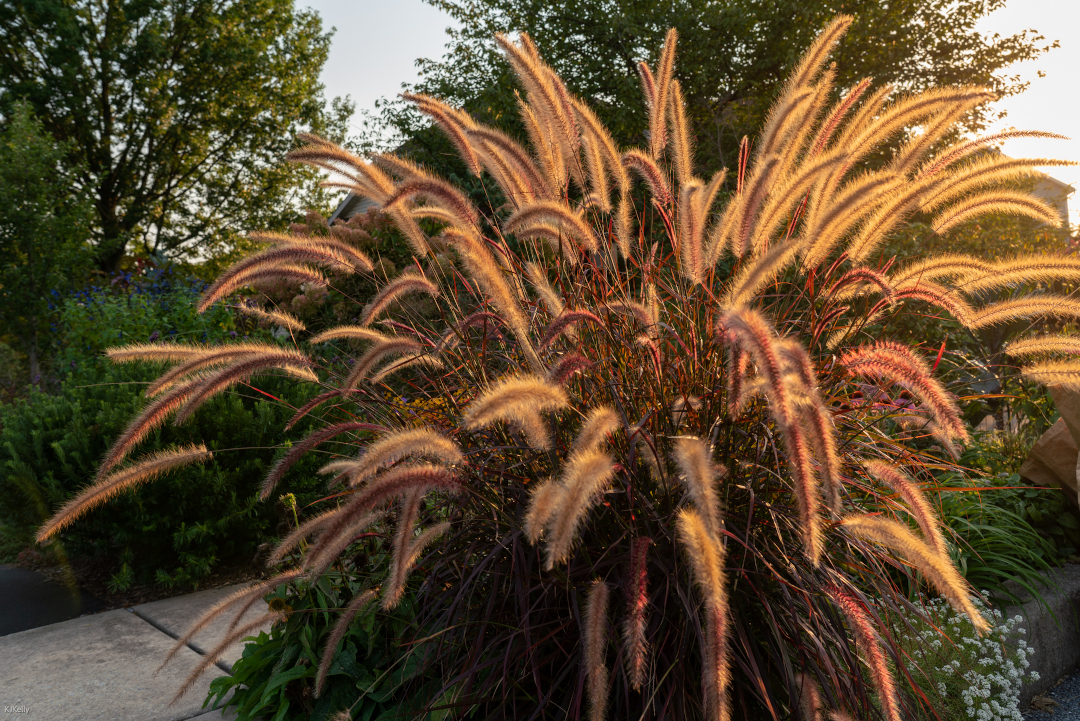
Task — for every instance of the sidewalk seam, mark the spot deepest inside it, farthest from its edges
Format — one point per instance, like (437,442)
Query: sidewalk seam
(219,663)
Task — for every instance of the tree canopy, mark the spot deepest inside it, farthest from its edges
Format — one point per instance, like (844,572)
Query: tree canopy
(734,56)
(177,111)
(44,223)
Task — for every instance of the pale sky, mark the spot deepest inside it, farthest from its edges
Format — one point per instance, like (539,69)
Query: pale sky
(377,43)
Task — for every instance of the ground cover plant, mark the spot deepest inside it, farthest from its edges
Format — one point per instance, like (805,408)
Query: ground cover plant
(651,460)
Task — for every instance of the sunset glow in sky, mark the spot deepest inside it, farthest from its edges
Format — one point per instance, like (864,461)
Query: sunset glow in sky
(377,44)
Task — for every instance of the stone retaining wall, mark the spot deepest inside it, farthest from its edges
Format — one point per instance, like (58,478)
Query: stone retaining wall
(1054,632)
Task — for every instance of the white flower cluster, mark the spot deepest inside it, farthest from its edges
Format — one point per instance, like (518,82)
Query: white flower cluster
(984,672)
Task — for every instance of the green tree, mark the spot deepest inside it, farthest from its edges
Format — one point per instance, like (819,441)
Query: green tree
(734,57)
(44,226)
(179,111)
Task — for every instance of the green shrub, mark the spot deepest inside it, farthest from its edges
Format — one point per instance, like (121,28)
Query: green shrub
(178,530)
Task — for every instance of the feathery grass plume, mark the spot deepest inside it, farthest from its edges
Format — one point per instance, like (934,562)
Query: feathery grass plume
(857,199)
(947,265)
(682,144)
(393,291)
(756,336)
(262,274)
(809,698)
(732,231)
(706,555)
(543,96)
(215,654)
(912,153)
(406,527)
(700,474)
(209,385)
(959,151)
(386,486)
(805,482)
(514,186)
(555,237)
(599,136)
(312,440)
(543,500)
(875,659)
(564,323)
(350,332)
(601,422)
(595,642)
(691,231)
(398,444)
(904,112)
(661,92)
(836,115)
(938,570)
(341,627)
(648,83)
(646,167)
(539,280)
(398,365)
(804,121)
(367,362)
(455,123)
(919,507)
(1054,373)
(1038,345)
(995,201)
(485,271)
(231,352)
(637,602)
(150,418)
(983,172)
(437,192)
(897,206)
(514,399)
(1015,271)
(938,295)
(555,213)
(599,196)
(641,313)
(1032,306)
(518,159)
(287,254)
(543,144)
(274,316)
(567,366)
(332,245)
(897,364)
(860,279)
(780,203)
(167,352)
(585,476)
(142,472)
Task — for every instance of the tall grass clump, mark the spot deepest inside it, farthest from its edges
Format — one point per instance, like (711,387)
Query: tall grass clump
(656,455)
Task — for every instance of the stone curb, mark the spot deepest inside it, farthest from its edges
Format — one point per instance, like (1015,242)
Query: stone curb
(1054,632)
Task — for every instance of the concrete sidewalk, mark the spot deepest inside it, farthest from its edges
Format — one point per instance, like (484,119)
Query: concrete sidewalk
(101,667)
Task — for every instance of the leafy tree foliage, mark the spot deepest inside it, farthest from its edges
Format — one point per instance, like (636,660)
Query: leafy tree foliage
(734,57)
(178,111)
(43,230)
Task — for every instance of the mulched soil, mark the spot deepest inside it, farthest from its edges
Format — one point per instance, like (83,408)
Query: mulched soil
(1061,703)
(92,576)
